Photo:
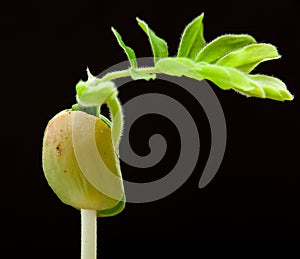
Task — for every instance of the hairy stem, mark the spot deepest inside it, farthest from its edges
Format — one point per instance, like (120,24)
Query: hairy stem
(126,73)
(88,234)
(117,120)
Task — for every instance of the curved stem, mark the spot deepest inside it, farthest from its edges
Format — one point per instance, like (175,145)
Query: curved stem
(117,120)
(115,74)
(126,73)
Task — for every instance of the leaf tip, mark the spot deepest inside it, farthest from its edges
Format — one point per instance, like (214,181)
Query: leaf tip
(287,96)
(142,24)
(199,18)
(89,73)
(139,20)
(115,32)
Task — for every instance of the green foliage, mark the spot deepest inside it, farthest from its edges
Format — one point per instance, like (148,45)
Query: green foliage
(192,40)
(159,46)
(273,87)
(225,61)
(223,45)
(248,57)
(227,78)
(129,51)
(132,59)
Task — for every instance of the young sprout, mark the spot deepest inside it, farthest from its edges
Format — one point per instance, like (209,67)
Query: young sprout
(80,146)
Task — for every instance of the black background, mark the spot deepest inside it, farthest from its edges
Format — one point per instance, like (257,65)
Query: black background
(251,208)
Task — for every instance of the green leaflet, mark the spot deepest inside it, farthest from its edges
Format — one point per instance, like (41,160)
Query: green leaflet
(178,67)
(136,75)
(159,46)
(273,87)
(251,85)
(129,51)
(226,78)
(248,57)
(192,40)
(222,45)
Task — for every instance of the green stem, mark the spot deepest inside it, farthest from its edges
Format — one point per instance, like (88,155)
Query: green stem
(88,234)
(126,73)
(117,120)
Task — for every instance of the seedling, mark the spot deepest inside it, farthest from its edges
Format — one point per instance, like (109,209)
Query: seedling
(76,138)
